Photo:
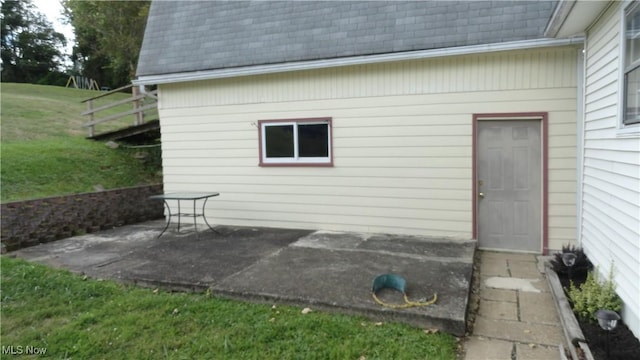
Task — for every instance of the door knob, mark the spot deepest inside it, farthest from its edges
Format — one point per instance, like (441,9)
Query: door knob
(481,194)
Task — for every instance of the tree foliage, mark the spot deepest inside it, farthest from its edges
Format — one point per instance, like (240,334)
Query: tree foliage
(30,45)
(108,38)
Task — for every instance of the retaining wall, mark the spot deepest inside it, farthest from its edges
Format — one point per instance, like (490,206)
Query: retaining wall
(31,222)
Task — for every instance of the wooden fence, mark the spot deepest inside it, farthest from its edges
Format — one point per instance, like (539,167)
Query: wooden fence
(143,104)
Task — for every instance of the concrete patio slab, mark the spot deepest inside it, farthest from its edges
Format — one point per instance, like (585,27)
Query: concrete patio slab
(327,270)
(319,270)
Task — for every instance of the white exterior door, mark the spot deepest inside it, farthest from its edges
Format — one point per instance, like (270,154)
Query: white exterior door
(509,176)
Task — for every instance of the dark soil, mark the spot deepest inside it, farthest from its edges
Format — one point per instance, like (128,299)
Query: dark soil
(623,345)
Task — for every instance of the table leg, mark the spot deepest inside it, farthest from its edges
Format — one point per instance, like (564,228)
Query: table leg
(179,212)
(166,204)
(204,216)
(195,227)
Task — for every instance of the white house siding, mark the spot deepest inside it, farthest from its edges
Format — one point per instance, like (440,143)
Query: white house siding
(611,182)
(402,141)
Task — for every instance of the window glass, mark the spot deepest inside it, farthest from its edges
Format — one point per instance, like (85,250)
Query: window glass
(313,140)
(296,142)
(631,65)
(632,35)
(279,141)
(632,108)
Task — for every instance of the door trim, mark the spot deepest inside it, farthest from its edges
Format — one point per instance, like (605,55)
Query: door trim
(543,117)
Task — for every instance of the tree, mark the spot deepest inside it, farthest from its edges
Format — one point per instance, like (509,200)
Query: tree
(30,46)
(108,38)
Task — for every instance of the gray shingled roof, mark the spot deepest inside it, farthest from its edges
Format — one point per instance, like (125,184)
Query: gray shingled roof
(185,36)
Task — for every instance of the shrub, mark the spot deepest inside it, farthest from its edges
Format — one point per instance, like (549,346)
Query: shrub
(580,268)
(594,295)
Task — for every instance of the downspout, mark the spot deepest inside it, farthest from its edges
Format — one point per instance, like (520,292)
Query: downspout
(580,117)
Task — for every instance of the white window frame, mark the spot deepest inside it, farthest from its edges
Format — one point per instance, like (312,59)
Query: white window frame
(626,129)
(296,160)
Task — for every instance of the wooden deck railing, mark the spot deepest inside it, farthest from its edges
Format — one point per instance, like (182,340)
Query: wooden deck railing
(143,103)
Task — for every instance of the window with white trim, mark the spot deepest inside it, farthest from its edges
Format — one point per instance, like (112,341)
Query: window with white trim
(631,101)
(295,142)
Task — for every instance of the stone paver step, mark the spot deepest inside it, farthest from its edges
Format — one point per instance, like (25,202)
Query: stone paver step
(517,318)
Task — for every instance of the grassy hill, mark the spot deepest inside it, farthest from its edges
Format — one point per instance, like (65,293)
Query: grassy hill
(43,150)
(36,112)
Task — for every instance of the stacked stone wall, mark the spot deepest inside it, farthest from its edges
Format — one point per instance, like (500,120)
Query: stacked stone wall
(32,222)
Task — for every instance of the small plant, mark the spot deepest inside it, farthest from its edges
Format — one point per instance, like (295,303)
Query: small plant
(582,265)
(594,295)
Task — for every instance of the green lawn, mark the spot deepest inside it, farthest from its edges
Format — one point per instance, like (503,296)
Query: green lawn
(44,151)
(60,166)
(75,317)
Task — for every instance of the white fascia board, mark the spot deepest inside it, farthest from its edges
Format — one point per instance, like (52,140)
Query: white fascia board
(562,11)
(348,61)
(573,17)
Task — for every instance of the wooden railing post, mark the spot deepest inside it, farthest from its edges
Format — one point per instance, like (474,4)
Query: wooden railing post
(139,115)
(89,108)
(142,103)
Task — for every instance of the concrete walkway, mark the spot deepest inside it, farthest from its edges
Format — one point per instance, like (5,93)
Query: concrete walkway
(516,317)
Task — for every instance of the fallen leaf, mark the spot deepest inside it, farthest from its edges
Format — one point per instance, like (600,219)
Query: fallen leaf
(273,307)
(378,324)
(527,331)
(155,291)
(532,345)
(306,310)
(272,319)
(362,358)
(175,311)
(431,331)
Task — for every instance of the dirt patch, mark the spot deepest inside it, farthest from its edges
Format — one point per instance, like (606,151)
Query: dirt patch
(474,294)
(473,305)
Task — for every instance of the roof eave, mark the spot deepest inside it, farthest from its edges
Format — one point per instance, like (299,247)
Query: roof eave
(573,17)
(348,61)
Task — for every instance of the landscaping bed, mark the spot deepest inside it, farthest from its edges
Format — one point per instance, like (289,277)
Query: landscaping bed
(622,343)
